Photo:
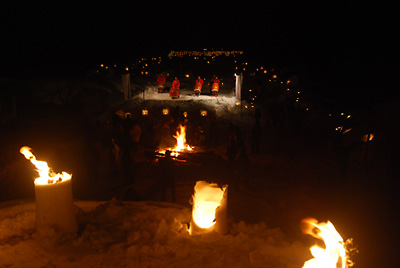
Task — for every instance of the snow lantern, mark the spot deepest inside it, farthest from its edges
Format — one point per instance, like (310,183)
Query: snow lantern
(54,202)
(209,212)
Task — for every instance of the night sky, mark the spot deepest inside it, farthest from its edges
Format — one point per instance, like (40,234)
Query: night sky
(344,45)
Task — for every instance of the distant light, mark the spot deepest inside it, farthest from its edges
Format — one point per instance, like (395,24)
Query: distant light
(145,112)
(185,114)
(347,130)
(187,75)
(203,112)
(365,137)
(102,65)
(349,116)
(126,69)
(165,111)
(342,114)
(274,76)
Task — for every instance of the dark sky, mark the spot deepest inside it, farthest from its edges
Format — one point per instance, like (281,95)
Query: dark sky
(329,42)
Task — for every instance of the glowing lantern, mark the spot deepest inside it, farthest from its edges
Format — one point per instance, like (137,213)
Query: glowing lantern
(145,112)
(209,212)
(274,76)
(53,193)
(334,252)
(203,112)
(165,111)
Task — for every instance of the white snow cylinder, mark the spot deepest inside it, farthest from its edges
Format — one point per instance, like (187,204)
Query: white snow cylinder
(54,207)
(210,208)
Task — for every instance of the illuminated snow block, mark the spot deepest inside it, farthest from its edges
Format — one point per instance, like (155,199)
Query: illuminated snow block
(209,212)
(54,208)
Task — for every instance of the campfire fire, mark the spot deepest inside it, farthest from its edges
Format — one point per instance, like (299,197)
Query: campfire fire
(180,142)
(334,254)
(46,174)
(209,207)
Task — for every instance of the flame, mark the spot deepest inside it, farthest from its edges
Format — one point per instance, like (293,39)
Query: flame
(181,139)
(333,254)
(180,143)
(46,174)
(206,199)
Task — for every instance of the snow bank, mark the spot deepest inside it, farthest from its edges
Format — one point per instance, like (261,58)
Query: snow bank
(141,234)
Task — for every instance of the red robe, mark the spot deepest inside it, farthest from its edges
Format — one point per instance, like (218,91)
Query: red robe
(176,84)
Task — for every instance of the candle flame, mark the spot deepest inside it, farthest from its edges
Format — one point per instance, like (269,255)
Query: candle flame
(46,174)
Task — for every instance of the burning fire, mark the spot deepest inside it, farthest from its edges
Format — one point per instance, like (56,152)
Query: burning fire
(46,174)
(181,139)
(334,254)
(180,142)
(206,199)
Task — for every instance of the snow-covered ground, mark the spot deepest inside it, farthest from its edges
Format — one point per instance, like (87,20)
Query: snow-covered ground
(140,234)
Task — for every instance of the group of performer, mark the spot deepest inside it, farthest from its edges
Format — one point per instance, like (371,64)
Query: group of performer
(174,90)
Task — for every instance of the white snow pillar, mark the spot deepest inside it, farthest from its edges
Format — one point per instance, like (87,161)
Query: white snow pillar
(126,86)
(54,208)
(238,86)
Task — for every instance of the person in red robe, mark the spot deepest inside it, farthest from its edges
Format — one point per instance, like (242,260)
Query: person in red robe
(174,91)
(176,83)
(215,87)
(160,83)
(198,86)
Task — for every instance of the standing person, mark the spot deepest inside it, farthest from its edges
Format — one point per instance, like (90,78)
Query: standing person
(160,83)
(174,91)
(167,174)
(198,86)
(135,132)
(176,83)
(215,87)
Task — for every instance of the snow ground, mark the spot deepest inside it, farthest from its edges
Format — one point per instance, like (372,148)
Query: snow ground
(140,234)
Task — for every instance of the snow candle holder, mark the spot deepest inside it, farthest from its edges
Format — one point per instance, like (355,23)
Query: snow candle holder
(54,201)
(209,212)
